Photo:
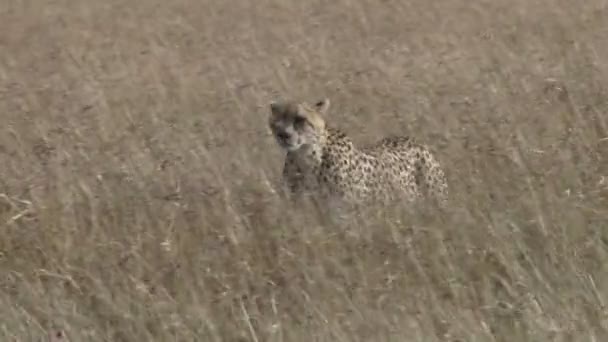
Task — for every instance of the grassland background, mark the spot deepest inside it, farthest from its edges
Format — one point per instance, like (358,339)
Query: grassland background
(138,179)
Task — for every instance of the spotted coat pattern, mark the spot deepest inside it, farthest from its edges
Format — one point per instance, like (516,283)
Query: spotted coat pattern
(324,159)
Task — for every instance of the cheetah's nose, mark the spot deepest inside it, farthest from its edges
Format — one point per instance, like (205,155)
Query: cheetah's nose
(283,136)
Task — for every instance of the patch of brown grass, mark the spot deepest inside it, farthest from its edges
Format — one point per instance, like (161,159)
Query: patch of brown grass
(137,174)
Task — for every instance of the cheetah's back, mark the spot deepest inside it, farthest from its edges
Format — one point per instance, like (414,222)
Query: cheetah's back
(410,166)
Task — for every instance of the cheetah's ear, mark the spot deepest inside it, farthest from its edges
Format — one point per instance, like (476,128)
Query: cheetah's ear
(274,106)
(323,106)
(277,108)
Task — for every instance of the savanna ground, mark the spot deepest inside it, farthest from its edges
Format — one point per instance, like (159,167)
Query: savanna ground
(139,185)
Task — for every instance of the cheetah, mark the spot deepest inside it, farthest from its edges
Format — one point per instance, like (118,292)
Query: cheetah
(323,159)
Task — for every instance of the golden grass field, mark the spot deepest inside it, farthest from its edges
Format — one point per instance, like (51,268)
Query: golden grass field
(140,186)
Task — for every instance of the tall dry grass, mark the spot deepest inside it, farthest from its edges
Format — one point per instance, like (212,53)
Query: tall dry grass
(138,180)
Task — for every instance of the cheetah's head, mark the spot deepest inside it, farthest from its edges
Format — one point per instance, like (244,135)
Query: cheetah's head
(297,125)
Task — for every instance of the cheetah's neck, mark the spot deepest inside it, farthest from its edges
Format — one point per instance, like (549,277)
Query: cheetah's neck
(309,157)
(331,143)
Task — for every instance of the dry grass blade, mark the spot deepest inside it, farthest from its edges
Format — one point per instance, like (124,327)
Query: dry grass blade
(139,196)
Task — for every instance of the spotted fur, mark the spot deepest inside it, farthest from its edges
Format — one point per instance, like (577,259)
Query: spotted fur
(324,159)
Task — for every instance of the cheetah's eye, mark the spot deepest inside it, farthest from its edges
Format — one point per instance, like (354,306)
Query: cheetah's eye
(299,121)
